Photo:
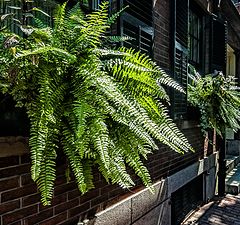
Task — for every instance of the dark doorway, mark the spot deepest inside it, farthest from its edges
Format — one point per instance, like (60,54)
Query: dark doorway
(186,199)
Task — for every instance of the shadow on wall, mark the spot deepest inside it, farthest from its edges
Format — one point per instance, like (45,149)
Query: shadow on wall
(13,121)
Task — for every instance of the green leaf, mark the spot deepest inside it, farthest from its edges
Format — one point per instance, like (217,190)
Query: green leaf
(41,11)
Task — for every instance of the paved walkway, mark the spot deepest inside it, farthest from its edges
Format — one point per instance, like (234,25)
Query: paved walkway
(225,211)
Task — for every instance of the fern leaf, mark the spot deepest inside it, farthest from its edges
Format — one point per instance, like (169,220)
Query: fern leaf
(44,50)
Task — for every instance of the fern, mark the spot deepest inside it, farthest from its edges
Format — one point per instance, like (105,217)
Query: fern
(112,19)
(217,98)
(103,107)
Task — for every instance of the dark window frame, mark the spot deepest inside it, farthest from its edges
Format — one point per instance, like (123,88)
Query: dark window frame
(144,34)
(195,28)
(91,4)
(196,37)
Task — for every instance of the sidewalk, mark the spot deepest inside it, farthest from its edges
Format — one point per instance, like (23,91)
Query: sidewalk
(225,211)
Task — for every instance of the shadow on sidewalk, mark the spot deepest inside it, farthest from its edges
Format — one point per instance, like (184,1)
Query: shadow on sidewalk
(224,211)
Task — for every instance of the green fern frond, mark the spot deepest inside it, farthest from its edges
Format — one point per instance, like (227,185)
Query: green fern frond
(39,24)
(75,11)
(118,172)
(133,159)
(116,39)
(135,111)
(47,176)
(75,162)
(59,17)
(100,139)
(44,50)
(112,19)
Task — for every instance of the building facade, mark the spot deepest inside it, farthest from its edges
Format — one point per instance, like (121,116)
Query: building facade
(204,33)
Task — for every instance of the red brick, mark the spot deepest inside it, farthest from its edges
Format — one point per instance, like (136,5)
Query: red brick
(96,176)
(74,194)
(7,184)
(116,192)
(89,195)
(60,169)
(17,223)
(107,188)
(13,171)
(39,217)
(9,206)
(80,209)
(99,200)
(100,184)
(60,180)
(55,201)
(25,159)
(31,199)
(55,220)
(92,212)
(64,188)
(19,214)
(18,192)
(26,179)
(71,221)
(66,205)
(9,161)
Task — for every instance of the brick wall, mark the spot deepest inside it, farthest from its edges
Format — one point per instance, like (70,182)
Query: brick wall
(161,18)
(20,201)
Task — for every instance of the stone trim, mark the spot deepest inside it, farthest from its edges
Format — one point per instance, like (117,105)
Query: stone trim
(186,175)
(155,208)
(13,146)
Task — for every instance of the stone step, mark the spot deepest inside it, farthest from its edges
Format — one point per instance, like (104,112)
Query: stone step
(233,181)
(231,162)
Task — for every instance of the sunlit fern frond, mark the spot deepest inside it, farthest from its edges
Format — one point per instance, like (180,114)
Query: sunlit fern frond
(112,18)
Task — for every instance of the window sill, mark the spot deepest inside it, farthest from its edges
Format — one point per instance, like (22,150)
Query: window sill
(13,146)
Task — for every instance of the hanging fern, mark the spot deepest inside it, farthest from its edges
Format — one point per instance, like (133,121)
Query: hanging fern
(104,107)
(218,99)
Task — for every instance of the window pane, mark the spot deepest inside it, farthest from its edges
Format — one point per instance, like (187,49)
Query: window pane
(194,37)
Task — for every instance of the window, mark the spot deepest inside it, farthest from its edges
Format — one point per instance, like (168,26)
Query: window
(92,4)
(195,36)
(136,23)
(231,62)
(219,46)
(180,56)
(142,36)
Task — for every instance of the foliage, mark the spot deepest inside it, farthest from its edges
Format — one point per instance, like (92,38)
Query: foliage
(18,14)
(218,99)
(103,107)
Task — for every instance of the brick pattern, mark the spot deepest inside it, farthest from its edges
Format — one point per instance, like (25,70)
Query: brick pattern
(224,211)
(161,18)
(20,200)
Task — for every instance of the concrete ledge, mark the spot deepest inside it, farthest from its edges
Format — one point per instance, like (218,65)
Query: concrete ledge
(145,208)
(13,146)
(131,209)
(159,215)
(117,214)
(144,201)
(184,176)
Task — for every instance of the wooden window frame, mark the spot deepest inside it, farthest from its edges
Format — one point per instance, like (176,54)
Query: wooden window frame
(195,30)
